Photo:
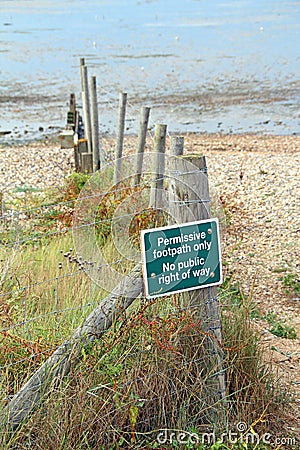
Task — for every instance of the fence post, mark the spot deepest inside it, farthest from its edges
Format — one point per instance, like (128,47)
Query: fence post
(86,162)
(120,136)
(176,145)
(86,104)
(95,125)
(144,119)
(158,170)
(189,201)
(72,111)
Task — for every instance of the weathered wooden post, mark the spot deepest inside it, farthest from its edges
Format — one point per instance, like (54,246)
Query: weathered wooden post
(57,366)
(86,104)
(86,162)
(158,170)
(189,201)
(72,110)
(176,145)
(144,119)
(120,136)
(95,125)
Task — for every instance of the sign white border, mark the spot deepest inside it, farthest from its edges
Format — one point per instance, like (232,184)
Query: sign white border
(170,227)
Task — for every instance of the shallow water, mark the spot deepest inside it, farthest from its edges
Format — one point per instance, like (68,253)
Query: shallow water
(230,66)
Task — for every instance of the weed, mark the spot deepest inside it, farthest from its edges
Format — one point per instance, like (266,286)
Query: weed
(150,372)
(73,185)
(291,282)
(279,328)
(283,330)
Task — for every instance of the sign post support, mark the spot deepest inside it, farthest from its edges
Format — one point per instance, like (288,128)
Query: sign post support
(181,258)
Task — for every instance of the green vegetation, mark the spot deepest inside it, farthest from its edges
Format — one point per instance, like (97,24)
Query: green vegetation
(153,370)
(291,282)
(278,327)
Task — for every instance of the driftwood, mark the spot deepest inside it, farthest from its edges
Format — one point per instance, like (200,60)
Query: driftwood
(59,363)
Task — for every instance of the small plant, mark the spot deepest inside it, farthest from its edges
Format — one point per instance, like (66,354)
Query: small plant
(74,183)
(283,330)
(278,328)
(291,282)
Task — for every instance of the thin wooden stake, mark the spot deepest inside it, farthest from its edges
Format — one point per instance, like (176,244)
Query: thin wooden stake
(95,125)
(158,166)
(120,136)
(86,105)
(144,119)
(177,145)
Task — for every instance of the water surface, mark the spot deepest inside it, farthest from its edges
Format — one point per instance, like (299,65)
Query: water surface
(230,66)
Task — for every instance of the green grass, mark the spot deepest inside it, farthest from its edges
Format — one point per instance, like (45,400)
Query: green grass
(278,327)
(291,282)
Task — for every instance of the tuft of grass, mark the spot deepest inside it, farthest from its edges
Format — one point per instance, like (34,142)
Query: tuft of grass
(278,327)
(253,393)
(283,330)
(291,282)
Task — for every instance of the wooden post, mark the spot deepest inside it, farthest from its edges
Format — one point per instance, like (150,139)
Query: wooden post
(158,170)
(176,149)
(87,162)
(120,136)
(76,123)
(95,125)
(72,103)
(72,110)
(176,145)
(144,119)
(86,104)
(83,163)
(189,201)
(77,158)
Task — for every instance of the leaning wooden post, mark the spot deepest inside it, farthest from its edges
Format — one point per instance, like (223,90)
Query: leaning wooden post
(158,170)
(58,365)
(86,104)
(189,201)
(95,125)
(120,136)
(145,112)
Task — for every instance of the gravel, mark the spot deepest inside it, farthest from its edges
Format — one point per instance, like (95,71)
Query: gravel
(36,165)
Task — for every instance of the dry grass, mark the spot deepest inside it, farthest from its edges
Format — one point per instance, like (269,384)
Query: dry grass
(152,370)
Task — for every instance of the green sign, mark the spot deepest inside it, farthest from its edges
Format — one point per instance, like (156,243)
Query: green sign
(181,257)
